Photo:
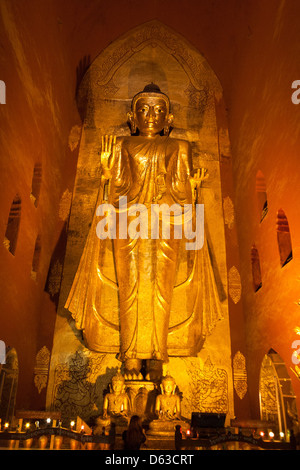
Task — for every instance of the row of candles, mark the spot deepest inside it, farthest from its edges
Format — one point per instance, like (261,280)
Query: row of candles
(6,425)
(262,434)
(189,433)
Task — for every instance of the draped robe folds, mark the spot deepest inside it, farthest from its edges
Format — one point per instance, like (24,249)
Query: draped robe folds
(146,268)
(146,171)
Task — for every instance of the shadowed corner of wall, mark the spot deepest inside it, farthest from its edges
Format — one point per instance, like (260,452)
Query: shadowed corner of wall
(54,277)
(81,92)
(216,271)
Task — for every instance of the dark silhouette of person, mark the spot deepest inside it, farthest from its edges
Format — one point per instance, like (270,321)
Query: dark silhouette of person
(134,436)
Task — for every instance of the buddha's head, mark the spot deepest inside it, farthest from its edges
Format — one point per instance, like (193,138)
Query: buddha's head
(118,382)
(168,384)
(150,112)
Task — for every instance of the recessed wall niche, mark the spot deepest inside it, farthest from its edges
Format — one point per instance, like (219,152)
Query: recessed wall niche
(36,183)
(36,258)
(12,228)
(261,192)
(256,272)
(150,53)
(283,238)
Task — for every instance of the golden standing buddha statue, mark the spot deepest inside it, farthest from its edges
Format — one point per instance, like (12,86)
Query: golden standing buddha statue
(148,168)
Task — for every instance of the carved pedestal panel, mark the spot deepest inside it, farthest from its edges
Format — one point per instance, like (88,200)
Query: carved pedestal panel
(142,395)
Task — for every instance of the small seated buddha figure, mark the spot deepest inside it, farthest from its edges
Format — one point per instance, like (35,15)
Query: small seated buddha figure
(167,406)
(115,407)
(116,403)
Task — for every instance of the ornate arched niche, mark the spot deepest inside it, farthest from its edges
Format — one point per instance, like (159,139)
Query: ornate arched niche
(276,395)
(149,53)
(9,375)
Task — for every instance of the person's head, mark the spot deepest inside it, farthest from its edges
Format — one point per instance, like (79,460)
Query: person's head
(150,112)
(135,421)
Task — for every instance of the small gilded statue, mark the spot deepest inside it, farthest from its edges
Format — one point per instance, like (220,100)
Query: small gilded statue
(167,406)
(116,403)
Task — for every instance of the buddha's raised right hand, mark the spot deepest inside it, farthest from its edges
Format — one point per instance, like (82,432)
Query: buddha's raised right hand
(108,155)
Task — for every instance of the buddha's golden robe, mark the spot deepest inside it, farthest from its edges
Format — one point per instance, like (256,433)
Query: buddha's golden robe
(146,171)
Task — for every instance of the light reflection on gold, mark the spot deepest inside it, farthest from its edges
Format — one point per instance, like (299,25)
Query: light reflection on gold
(148,168)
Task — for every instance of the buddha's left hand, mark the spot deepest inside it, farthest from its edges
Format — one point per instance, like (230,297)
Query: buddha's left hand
(200,175)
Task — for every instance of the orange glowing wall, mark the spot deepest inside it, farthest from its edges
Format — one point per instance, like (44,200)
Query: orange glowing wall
(265,136)
(35,123)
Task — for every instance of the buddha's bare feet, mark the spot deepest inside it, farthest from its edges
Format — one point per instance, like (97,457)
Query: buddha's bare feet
(132,369)
(154,370)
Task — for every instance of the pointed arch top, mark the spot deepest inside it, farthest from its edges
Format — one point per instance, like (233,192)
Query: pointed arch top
(155,35)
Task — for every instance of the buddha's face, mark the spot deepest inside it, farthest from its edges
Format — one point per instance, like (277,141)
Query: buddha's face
(168,386)
(151,115)
(117,386)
